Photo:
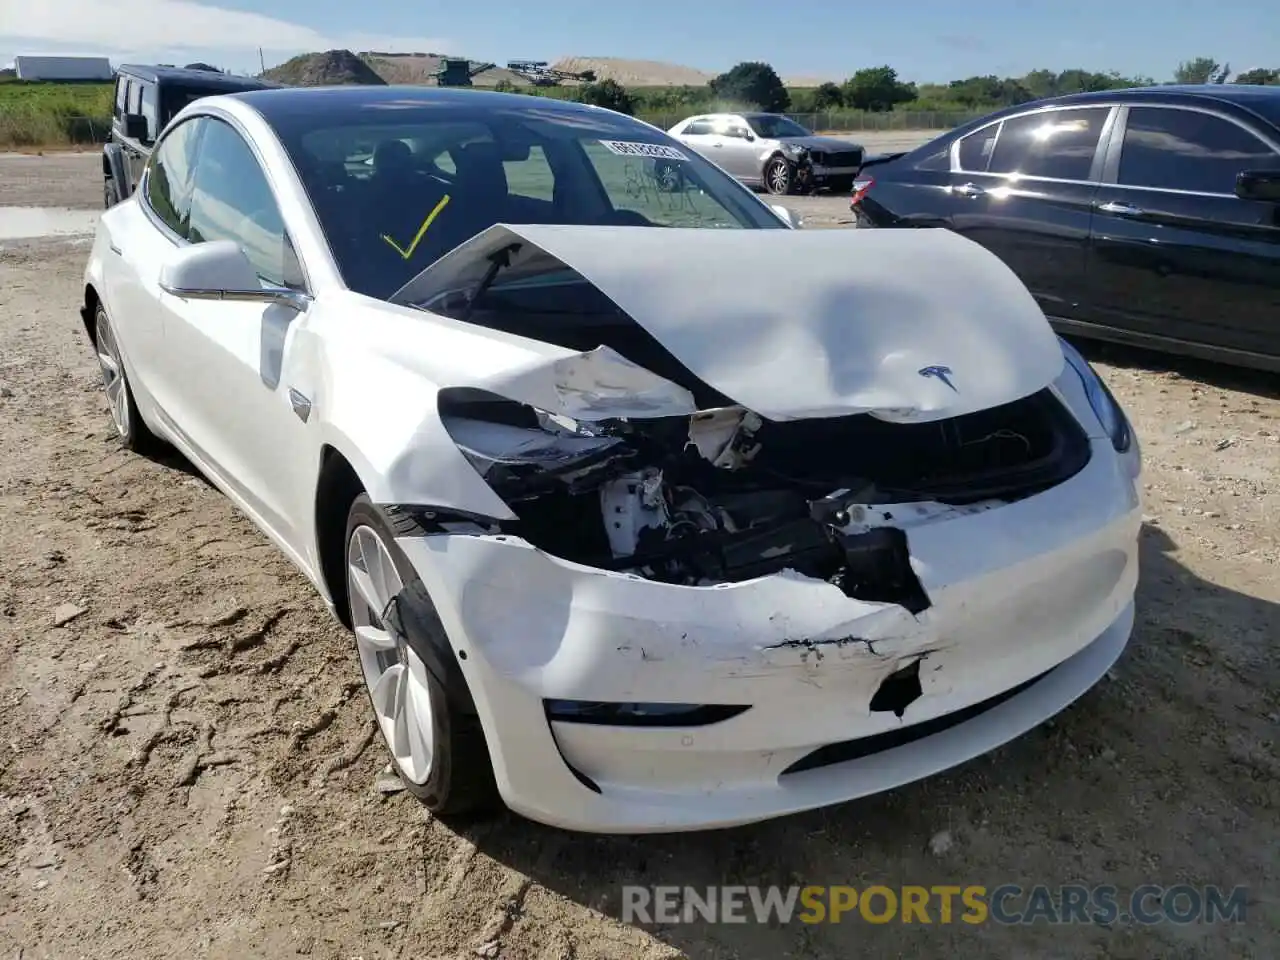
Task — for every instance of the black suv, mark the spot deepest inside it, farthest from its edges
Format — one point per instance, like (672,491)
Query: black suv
(146,99)
(1149,216)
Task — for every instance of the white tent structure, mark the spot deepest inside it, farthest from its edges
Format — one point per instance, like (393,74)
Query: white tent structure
(63,68)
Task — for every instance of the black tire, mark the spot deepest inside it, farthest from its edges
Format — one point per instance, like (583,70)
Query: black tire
(779,176)
(134,434)
(461,779)
(110,195)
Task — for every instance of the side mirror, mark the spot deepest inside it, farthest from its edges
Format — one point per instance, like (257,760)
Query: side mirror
(787,216)
(135,127)
(219,270)
(1259,185)
(749,136)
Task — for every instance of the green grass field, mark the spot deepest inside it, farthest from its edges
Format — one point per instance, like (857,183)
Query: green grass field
(36,114)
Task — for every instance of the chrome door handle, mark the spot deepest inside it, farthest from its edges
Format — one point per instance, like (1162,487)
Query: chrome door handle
(968,190)
(116,250)
(1121,209)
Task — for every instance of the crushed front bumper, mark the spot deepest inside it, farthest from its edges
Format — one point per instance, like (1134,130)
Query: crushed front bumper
(822,172)
(1039,590)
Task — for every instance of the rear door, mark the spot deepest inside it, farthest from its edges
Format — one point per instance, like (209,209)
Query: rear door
(136,152)
(1023,187)
(697,136)
(737,151)
(1174,252)
(152,224)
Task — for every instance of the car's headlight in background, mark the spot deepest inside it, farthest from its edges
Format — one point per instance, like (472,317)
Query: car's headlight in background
(1104,405)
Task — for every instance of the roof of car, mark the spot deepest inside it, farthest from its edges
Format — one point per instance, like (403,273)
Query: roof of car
(1262,100)
(203,78)
(287,103)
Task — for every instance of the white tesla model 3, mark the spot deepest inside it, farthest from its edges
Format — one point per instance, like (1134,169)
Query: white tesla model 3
(647,512)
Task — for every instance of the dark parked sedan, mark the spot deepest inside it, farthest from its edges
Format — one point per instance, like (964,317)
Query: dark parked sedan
(1148,216)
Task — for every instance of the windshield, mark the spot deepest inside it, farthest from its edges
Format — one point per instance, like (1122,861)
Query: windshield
(397,189)
(777,128)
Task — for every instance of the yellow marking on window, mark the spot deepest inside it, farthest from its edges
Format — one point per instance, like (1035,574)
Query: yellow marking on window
(421,230)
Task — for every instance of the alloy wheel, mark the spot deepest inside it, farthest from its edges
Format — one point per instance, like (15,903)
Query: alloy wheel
(779,177)
(395,675)
(113,379)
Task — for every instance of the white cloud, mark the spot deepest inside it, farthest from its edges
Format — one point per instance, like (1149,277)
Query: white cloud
(174,25)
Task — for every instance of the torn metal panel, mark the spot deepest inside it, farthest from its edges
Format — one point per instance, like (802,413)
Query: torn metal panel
(600,384)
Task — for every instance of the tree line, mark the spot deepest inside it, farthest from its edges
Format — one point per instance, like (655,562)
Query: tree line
(757,85)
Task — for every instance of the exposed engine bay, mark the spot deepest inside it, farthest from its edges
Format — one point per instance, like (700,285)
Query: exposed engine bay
(724,495)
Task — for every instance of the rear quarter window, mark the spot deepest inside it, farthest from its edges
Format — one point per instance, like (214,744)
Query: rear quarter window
(1056,144)
(934,157)
(976,149)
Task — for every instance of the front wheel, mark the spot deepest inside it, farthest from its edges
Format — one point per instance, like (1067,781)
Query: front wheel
(779,176)
(438,750)
(110,194)
(131,430)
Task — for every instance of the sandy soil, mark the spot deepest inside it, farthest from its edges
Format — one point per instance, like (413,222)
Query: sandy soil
(635,73)
(187,766)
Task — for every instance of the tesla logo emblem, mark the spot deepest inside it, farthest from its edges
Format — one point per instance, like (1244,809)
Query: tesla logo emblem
(938,373)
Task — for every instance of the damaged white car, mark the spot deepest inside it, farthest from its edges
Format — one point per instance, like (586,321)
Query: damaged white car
(630,534)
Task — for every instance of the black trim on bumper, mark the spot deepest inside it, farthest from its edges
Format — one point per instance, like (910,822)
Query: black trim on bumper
(847,750)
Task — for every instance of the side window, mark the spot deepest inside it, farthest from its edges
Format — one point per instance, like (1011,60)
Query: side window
(134,104)
(975,149)
(122,89)
(935,158)
(1188,150)
(169,175)
(531,177)
(699,128)
(1056,143)
(444,160)
(151,110)
(233,201)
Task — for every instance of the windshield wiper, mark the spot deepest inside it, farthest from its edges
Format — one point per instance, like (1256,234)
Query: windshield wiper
(497,261)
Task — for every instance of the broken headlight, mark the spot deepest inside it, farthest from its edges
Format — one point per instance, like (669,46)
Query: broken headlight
(526,458)
(1104,405)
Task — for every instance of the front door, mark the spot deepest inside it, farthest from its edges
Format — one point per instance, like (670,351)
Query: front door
(737,153)
(243,411)
(1175,253)
(1024,189)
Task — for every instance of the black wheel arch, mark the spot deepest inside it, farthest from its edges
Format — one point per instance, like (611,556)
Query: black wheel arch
(338,485)
(115,169)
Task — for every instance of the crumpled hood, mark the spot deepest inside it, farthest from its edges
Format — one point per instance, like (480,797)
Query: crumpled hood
(910,325)
(825,144)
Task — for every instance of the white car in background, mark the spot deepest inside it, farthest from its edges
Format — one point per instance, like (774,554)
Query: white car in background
(771,151)
(629,535)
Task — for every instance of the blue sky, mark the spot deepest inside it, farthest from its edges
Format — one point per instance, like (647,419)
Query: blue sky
(925,40)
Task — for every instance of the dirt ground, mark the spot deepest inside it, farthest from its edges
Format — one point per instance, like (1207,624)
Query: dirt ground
(187,764)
